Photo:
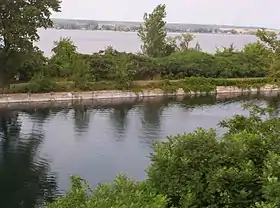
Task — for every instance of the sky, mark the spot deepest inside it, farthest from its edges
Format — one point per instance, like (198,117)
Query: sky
(264,13)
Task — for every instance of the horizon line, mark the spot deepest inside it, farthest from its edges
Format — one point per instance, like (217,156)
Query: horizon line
(132,21)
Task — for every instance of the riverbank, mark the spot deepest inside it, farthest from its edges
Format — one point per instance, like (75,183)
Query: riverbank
(118,94)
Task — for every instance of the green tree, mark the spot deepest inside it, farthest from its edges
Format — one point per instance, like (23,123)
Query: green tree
(273,43)
(180,43)
(67,63)
(258,48)
(153,34)
(20,20)
(124,72)
(226,50)
(184,41)
(64,52)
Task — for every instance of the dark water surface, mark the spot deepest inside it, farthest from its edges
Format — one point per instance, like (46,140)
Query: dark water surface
(40,147)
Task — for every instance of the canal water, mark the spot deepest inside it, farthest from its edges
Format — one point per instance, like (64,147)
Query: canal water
(42,145)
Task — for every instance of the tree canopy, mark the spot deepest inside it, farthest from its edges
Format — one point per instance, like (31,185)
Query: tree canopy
(153,34)
(19,21)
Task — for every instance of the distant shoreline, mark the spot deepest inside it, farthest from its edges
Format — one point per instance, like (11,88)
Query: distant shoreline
(170,27)
(225,34)
(168,23)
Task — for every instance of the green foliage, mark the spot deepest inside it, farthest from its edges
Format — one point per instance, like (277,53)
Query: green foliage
(271,39)
(122,193)
(122,67)
(83,75)
(24,65)
(226,50)
(124,73)
(18,30)
(20,21)
(258,48)
(162,58)
(239,169)
(178,65)
(62,63)
(273,43)
(232,63)
(183,41)
(153,34)
(41,84)
(34,63)
(186,64)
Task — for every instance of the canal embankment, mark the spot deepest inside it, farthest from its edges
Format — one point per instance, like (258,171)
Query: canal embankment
(119,94)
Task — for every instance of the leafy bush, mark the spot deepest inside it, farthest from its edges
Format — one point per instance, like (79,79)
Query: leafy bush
(239,169)
(122,193)
(121,67)
(62,63)
(41,84)
(241,65)
(38,84)
(186,64)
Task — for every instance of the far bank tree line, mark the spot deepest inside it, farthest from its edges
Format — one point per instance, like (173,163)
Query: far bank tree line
(161,57)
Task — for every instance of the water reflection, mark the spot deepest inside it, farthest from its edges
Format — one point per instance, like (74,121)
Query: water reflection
(25,177)
(119,119)
(113,137)
(81,118)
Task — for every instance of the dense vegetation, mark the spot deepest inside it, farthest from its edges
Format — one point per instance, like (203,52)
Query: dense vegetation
(162,57)
(200,169)
(110,69)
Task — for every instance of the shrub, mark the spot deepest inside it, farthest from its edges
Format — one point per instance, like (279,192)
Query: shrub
(41,84)
(122,193)
(82,75)
(62,63)
(38,84)
(186,64)
(239,169)
(241,65)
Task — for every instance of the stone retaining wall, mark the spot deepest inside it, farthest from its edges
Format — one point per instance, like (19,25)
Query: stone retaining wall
(92,95)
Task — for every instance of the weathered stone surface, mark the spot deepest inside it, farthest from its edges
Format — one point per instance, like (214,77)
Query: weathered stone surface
(95,95)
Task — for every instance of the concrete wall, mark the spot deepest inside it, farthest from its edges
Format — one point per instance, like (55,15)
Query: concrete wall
(92,95)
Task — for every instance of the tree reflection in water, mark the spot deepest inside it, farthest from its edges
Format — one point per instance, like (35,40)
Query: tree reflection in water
(25,177)
(81,118)
(119,119)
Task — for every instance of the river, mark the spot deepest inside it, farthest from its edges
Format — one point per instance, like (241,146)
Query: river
(43,144)
(89,41)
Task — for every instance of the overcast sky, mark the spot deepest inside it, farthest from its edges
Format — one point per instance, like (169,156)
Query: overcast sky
(231,12)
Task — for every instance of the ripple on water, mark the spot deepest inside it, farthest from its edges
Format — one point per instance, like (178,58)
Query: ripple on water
(41,148)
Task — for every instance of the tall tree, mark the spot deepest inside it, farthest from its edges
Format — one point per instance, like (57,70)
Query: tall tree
(19,21)
(153,34)
(272,41)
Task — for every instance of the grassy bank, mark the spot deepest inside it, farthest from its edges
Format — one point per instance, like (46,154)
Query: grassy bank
(195,84)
